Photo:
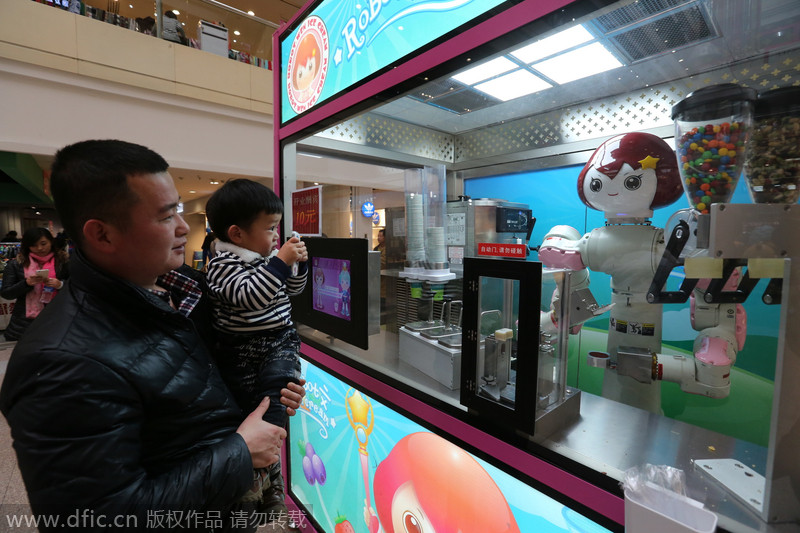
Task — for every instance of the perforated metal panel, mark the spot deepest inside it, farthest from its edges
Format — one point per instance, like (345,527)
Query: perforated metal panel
(635,111)
(665,34)
(634,12)
(376,131)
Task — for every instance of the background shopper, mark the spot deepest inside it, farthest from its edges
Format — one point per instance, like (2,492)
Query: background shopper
(24,281)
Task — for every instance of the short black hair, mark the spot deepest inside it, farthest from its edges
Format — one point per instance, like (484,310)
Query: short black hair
(239,202)
(89,179)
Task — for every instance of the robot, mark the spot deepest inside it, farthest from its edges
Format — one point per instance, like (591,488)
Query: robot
(627,177)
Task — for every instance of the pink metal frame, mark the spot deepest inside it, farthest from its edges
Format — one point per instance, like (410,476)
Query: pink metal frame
(595,498)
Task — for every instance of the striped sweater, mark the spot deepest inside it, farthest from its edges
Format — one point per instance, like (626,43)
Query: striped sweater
(250,293)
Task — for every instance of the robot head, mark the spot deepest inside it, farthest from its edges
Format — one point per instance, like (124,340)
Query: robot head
(629,175)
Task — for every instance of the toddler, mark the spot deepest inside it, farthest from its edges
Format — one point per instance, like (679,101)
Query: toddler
(257,347)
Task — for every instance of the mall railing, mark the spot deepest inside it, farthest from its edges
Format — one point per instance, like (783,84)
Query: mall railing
(208,25)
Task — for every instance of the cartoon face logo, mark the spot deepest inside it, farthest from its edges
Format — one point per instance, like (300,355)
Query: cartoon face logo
(305,67)
(415,491)
(308,64)
(408,513)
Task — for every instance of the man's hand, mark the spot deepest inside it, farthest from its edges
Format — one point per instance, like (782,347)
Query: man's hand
(292,396)
(264,440)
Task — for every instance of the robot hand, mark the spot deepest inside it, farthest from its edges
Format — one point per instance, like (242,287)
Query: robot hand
(559,249)
(581,308)
(723,329)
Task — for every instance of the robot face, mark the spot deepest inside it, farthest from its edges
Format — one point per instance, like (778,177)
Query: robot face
(407,513)
(629,193)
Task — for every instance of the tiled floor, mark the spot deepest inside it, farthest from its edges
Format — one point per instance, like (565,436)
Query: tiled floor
(13,499)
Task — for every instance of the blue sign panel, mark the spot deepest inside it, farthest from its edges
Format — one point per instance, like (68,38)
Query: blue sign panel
(358,465)
(367,209)
(344,41)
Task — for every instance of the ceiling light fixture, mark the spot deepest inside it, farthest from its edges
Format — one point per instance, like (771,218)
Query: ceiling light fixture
(579,63)
(513,85)
(554,44)
(484,71)
(236,32)
(176,11)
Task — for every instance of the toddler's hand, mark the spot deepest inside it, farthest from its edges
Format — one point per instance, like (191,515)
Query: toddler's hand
(293,251)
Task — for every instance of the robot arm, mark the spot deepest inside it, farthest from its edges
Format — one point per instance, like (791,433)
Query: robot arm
(722,330)
(560,249)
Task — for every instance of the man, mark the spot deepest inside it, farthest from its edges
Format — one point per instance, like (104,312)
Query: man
(120,419)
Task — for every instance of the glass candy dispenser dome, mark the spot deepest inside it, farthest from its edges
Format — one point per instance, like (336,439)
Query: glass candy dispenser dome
(772,167)
(712,126)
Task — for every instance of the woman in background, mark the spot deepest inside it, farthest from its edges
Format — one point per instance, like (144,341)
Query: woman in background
(25,282)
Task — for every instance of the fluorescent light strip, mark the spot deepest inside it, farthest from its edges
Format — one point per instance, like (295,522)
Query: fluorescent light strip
(513,85)
(578,63)
(562,40)
(485,71)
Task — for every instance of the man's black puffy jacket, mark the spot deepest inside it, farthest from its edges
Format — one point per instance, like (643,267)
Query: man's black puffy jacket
(116,408)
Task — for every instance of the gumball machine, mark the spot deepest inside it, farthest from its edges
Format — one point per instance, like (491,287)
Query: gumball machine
(772,167)
(712,126)
(726,249)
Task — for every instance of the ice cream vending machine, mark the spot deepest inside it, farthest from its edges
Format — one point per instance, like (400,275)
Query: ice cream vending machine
(471,222)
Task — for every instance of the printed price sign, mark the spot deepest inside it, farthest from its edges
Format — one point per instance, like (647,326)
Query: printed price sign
(306,219)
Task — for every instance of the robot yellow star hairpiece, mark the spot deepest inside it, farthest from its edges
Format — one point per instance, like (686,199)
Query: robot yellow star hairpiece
(649,162)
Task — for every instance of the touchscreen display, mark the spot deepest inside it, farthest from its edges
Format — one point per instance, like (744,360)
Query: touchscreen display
(330,288)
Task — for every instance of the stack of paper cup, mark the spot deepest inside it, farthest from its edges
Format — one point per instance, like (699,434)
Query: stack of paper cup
(435,251)
(415,235)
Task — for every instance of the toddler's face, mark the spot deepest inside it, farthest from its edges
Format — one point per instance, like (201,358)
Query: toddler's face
(262,235)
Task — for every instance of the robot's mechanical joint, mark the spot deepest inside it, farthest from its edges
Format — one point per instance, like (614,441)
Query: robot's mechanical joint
(669,260)
(726,290)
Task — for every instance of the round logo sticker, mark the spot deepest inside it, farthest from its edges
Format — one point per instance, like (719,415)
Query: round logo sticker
(308,64)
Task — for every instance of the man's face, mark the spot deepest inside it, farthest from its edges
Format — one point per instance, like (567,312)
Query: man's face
(155,237)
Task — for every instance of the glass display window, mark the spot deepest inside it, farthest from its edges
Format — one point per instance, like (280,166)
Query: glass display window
(570,140)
